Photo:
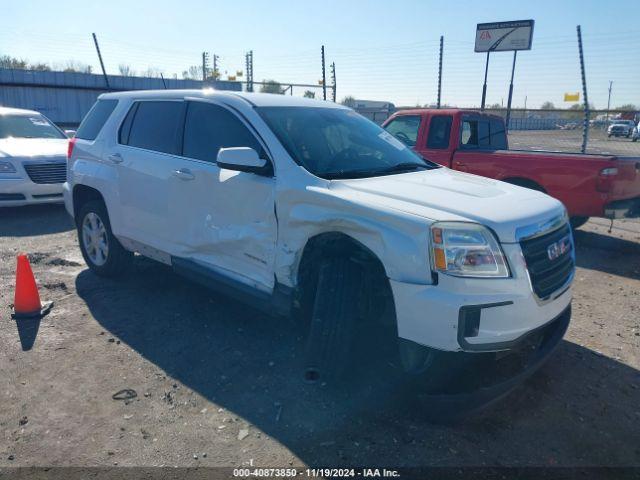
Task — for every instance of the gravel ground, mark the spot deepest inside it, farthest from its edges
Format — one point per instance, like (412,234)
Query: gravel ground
(571,141)
(218,384)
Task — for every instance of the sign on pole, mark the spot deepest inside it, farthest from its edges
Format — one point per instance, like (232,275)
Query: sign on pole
(572,97)
(504,36)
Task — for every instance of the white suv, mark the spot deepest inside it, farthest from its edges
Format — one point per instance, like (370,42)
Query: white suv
(298,204)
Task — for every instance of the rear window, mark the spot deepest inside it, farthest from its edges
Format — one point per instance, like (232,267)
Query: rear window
(483,133)
(157,126)
(95,119)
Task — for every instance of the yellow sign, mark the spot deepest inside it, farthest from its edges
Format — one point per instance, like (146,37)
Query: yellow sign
(231,78)
(572,97)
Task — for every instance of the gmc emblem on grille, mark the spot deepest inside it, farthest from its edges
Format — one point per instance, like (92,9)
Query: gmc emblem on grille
(559,248)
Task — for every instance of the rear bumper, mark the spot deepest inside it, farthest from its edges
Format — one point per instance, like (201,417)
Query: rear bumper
(16,192)
(623,209)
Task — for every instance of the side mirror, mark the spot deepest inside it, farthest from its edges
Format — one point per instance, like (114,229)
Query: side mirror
(70,133)
(243,159)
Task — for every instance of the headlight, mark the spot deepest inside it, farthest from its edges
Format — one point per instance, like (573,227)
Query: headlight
(7,167)
(466,250)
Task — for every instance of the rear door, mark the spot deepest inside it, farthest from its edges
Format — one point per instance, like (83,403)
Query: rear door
(146,155)
(480,136)
(438,145)
(222,219)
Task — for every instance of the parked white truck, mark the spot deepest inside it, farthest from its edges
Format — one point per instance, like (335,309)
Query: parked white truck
(298,204)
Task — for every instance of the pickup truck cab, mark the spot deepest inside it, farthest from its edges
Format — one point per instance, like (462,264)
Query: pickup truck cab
(299,205)
(475,142)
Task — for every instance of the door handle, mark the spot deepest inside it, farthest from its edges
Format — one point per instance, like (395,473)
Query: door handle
(183,174)
(115,158)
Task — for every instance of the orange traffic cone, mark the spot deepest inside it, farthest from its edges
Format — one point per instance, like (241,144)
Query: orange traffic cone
(26,302)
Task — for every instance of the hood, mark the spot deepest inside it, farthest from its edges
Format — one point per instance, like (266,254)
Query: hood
(447,195)
(33,147)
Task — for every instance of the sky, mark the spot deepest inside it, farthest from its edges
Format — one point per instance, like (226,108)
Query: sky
(383,50)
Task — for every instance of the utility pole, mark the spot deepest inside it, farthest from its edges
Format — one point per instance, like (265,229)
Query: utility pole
(513,69)
(585,126)
(484,86)
(104,72)
(609,102)
(324,78)
(216,74)
(440,71)
(333,77)
(205,62)
(248,59)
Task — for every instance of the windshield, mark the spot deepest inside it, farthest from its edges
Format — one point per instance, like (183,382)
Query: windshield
(28,126)
(336,143)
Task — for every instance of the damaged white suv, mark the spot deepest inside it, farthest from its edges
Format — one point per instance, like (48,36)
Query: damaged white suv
(297,204)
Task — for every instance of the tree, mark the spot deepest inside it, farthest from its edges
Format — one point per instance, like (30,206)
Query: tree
(628,107)
(271,86)
(494,106)
(193,73)
(547,106)
(349,101)
(75,67)
(153,72)
(125,70)
(7,61)
(309,94)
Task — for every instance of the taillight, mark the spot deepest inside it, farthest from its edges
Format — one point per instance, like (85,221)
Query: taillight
(72,143)
(605,179)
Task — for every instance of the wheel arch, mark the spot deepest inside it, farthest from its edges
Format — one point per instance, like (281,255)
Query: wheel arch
(83,194)
(525,182)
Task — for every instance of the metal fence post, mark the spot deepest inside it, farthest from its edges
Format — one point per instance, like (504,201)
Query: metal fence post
(440,70)
(585,126)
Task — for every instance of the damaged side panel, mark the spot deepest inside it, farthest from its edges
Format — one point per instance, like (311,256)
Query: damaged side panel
(303,215)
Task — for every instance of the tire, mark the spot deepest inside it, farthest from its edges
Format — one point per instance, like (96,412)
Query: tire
(334,317)
(111,261)
(577,222)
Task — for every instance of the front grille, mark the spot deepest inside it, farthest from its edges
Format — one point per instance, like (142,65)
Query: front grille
(548,275)
(47,172)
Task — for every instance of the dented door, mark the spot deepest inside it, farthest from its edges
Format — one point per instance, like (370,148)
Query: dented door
(223,219)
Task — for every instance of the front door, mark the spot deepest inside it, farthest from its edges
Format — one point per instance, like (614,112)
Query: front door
(220,218)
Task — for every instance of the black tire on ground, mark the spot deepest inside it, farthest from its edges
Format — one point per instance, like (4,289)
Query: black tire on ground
(577,222)
(333,320)
(117,259)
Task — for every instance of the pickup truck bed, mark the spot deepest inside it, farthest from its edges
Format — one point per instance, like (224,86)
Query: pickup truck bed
(474,142)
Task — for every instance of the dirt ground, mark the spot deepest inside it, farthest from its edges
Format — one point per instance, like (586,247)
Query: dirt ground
(218,384)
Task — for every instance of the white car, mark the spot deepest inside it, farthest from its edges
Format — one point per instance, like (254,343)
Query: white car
(32,158)
(300,204)
(636,133)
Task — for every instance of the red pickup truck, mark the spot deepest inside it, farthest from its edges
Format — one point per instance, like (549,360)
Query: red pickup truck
(475,142)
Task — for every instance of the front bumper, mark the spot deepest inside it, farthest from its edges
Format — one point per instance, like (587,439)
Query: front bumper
(503,311)
(16,192)
(474,380)
(623,209)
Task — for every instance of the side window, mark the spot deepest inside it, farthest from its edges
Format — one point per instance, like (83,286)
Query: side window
(125,128)
(157,126)
(498,135)
(405,128)
(208,128)
(95,119)
(439,131)
(475,134)
(469,137)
